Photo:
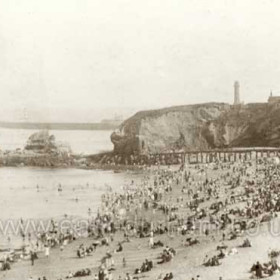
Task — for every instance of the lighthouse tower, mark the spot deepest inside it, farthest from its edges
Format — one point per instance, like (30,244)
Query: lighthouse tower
(236,93)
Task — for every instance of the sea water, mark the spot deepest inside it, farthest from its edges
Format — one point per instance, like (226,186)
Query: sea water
(30,193)
(80,141)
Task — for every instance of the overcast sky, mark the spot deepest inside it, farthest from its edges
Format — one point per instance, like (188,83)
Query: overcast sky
(81,60)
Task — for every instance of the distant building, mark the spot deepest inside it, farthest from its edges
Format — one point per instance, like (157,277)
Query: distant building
(236,93)
(273,99)
(116,121)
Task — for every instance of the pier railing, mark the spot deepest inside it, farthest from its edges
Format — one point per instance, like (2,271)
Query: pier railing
(208,156)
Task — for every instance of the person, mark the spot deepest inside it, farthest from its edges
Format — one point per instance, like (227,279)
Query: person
(110,276)
(70,275)
(246,243)
(120,248)
(47,251)
(61,247)
(124,262)
(32,257)
(259,270)
(101,274)
(151,242)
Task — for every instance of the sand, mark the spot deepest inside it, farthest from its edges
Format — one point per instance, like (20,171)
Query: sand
(186,264)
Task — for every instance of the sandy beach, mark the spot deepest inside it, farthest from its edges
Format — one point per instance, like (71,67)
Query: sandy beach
(188,260)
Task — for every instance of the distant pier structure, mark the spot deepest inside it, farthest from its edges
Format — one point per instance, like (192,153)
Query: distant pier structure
(236,93)
(217,155)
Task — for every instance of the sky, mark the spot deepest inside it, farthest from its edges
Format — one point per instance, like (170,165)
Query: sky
(84,60)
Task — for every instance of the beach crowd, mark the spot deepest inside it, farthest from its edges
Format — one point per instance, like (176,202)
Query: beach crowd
(192,203)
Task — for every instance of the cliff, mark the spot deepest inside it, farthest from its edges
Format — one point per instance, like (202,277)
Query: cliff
(201,126)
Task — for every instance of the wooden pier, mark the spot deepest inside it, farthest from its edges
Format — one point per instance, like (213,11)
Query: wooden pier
(208,156)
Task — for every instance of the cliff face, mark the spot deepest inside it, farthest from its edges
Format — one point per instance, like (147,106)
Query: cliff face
(203,126)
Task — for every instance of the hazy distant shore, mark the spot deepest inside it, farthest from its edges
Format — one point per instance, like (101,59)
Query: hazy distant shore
(61,126)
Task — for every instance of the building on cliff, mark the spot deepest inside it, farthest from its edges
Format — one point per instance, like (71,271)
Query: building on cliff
(199,127)
(273,99)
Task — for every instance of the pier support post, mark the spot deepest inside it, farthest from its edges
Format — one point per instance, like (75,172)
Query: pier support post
(183,157)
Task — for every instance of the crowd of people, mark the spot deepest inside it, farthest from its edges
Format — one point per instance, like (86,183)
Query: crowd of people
(218,200)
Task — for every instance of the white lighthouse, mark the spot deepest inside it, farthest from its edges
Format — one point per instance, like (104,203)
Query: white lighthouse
(236,93)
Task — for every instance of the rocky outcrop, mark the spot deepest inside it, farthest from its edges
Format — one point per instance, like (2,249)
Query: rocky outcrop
(202,126)
(44,143)
(41,142)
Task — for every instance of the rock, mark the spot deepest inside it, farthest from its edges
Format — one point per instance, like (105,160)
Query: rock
(198,127)
(41,142)
(44,143)
(167,129)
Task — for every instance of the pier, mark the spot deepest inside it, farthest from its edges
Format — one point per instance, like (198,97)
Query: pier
(208,156)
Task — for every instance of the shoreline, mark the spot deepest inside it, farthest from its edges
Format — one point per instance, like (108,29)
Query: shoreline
(161,207)
(137,249)
(88,162)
